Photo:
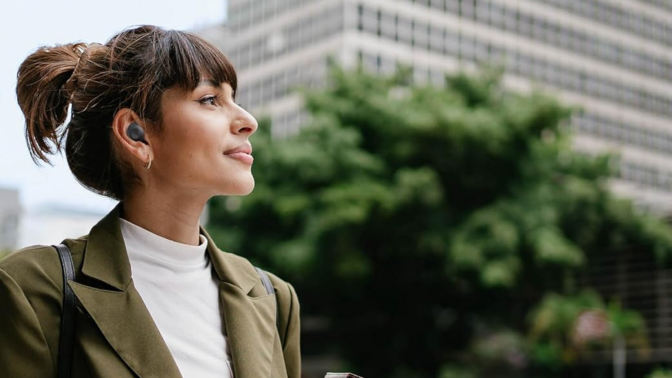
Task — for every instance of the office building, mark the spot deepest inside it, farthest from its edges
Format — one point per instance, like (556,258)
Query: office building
(612,57)
(10,217)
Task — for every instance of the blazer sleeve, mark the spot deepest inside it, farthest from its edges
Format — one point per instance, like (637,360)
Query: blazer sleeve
(292,341)
(24,352)
(290,325)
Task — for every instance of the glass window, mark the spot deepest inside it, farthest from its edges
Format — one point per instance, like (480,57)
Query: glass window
(370,20)
(451,43)
(497,18)
(467,8)
(481,52)
(387,25)
(483,11)
(421,34)
(510,18)
(538,28)
(439,4)
(404,30)
(524,25)
(436,39)
(466,48)
(452,6)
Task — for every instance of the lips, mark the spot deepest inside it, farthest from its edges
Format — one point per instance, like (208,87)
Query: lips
(245,148)
(241,153)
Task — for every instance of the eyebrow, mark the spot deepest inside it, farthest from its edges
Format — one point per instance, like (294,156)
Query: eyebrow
(214,84)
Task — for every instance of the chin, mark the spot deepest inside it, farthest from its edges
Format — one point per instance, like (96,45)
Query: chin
(240,187)
(248,189)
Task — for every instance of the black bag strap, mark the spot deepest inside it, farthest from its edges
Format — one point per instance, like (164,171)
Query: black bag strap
(68,315)
(270,290)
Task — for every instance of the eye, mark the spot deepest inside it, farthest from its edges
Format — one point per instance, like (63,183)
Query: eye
(208,100)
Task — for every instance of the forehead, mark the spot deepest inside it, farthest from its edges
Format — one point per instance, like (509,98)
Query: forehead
(205,85)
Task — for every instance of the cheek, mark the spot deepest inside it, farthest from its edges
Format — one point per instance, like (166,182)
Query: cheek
(191,142)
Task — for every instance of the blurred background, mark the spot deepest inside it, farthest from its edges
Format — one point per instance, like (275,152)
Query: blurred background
(456,188)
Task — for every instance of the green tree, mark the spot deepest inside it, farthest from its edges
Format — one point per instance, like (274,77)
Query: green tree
(661,373)
(409,216)
(564,327)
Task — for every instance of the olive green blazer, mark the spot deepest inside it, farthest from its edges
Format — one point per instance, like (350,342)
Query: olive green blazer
(115,335)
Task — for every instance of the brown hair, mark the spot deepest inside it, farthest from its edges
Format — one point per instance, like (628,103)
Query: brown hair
(130,71)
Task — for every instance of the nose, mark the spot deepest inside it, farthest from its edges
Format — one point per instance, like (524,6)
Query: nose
(244,123)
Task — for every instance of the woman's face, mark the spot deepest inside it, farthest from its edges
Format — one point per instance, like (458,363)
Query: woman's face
(203,146)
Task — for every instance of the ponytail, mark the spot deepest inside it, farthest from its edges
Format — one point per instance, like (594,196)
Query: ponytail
(43,96)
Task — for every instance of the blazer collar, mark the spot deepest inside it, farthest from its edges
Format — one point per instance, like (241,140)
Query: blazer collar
(231,269)
(127,325)
(106,258)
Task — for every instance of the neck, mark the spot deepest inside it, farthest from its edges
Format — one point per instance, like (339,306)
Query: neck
(173,217)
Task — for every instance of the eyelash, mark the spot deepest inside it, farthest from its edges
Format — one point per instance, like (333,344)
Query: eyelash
(214,99)
(205,100)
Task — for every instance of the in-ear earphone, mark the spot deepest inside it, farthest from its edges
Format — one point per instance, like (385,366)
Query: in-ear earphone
(136,133)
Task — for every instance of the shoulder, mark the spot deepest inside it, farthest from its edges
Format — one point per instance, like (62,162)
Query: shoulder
(289,324)
(238,269)
(37,269)
(283,289)
(288,308)
(32,264)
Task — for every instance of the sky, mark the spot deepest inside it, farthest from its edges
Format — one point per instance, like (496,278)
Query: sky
(26,25)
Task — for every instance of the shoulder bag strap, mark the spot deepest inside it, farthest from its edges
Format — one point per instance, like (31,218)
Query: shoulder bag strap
(68,315)
(270,290)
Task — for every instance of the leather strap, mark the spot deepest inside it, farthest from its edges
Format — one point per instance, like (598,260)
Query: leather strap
(266,281)
(270,290)
(68,315)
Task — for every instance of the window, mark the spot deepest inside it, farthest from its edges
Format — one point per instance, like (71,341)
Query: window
(451,43)
(404,30)
(436,39)
(421,34)
(370,21)
(467,9)
(387,25)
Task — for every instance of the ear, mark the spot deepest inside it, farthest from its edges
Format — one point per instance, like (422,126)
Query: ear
(120,123)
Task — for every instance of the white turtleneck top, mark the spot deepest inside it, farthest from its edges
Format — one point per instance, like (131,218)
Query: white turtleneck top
(176,283)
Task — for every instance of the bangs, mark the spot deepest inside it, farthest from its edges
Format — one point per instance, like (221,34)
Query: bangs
(148,60)
(184,59)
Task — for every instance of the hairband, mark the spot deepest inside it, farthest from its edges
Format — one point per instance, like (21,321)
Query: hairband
(83,51)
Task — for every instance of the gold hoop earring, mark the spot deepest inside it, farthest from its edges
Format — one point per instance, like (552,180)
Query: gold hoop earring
(149,164)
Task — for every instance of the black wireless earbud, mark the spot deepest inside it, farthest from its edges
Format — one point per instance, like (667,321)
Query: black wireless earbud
(136,133)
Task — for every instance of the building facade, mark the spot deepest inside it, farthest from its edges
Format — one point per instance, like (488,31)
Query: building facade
(611,57)
(49,224)
(10,218)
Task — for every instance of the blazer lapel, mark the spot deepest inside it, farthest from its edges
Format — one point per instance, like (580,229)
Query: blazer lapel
(250,329)
(249,320)
(248,313)
(118,310)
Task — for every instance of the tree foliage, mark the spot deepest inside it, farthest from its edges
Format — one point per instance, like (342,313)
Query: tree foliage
(661,373)
(558,337)
(412,216)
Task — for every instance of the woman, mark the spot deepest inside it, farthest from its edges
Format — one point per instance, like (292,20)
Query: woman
(153,125)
